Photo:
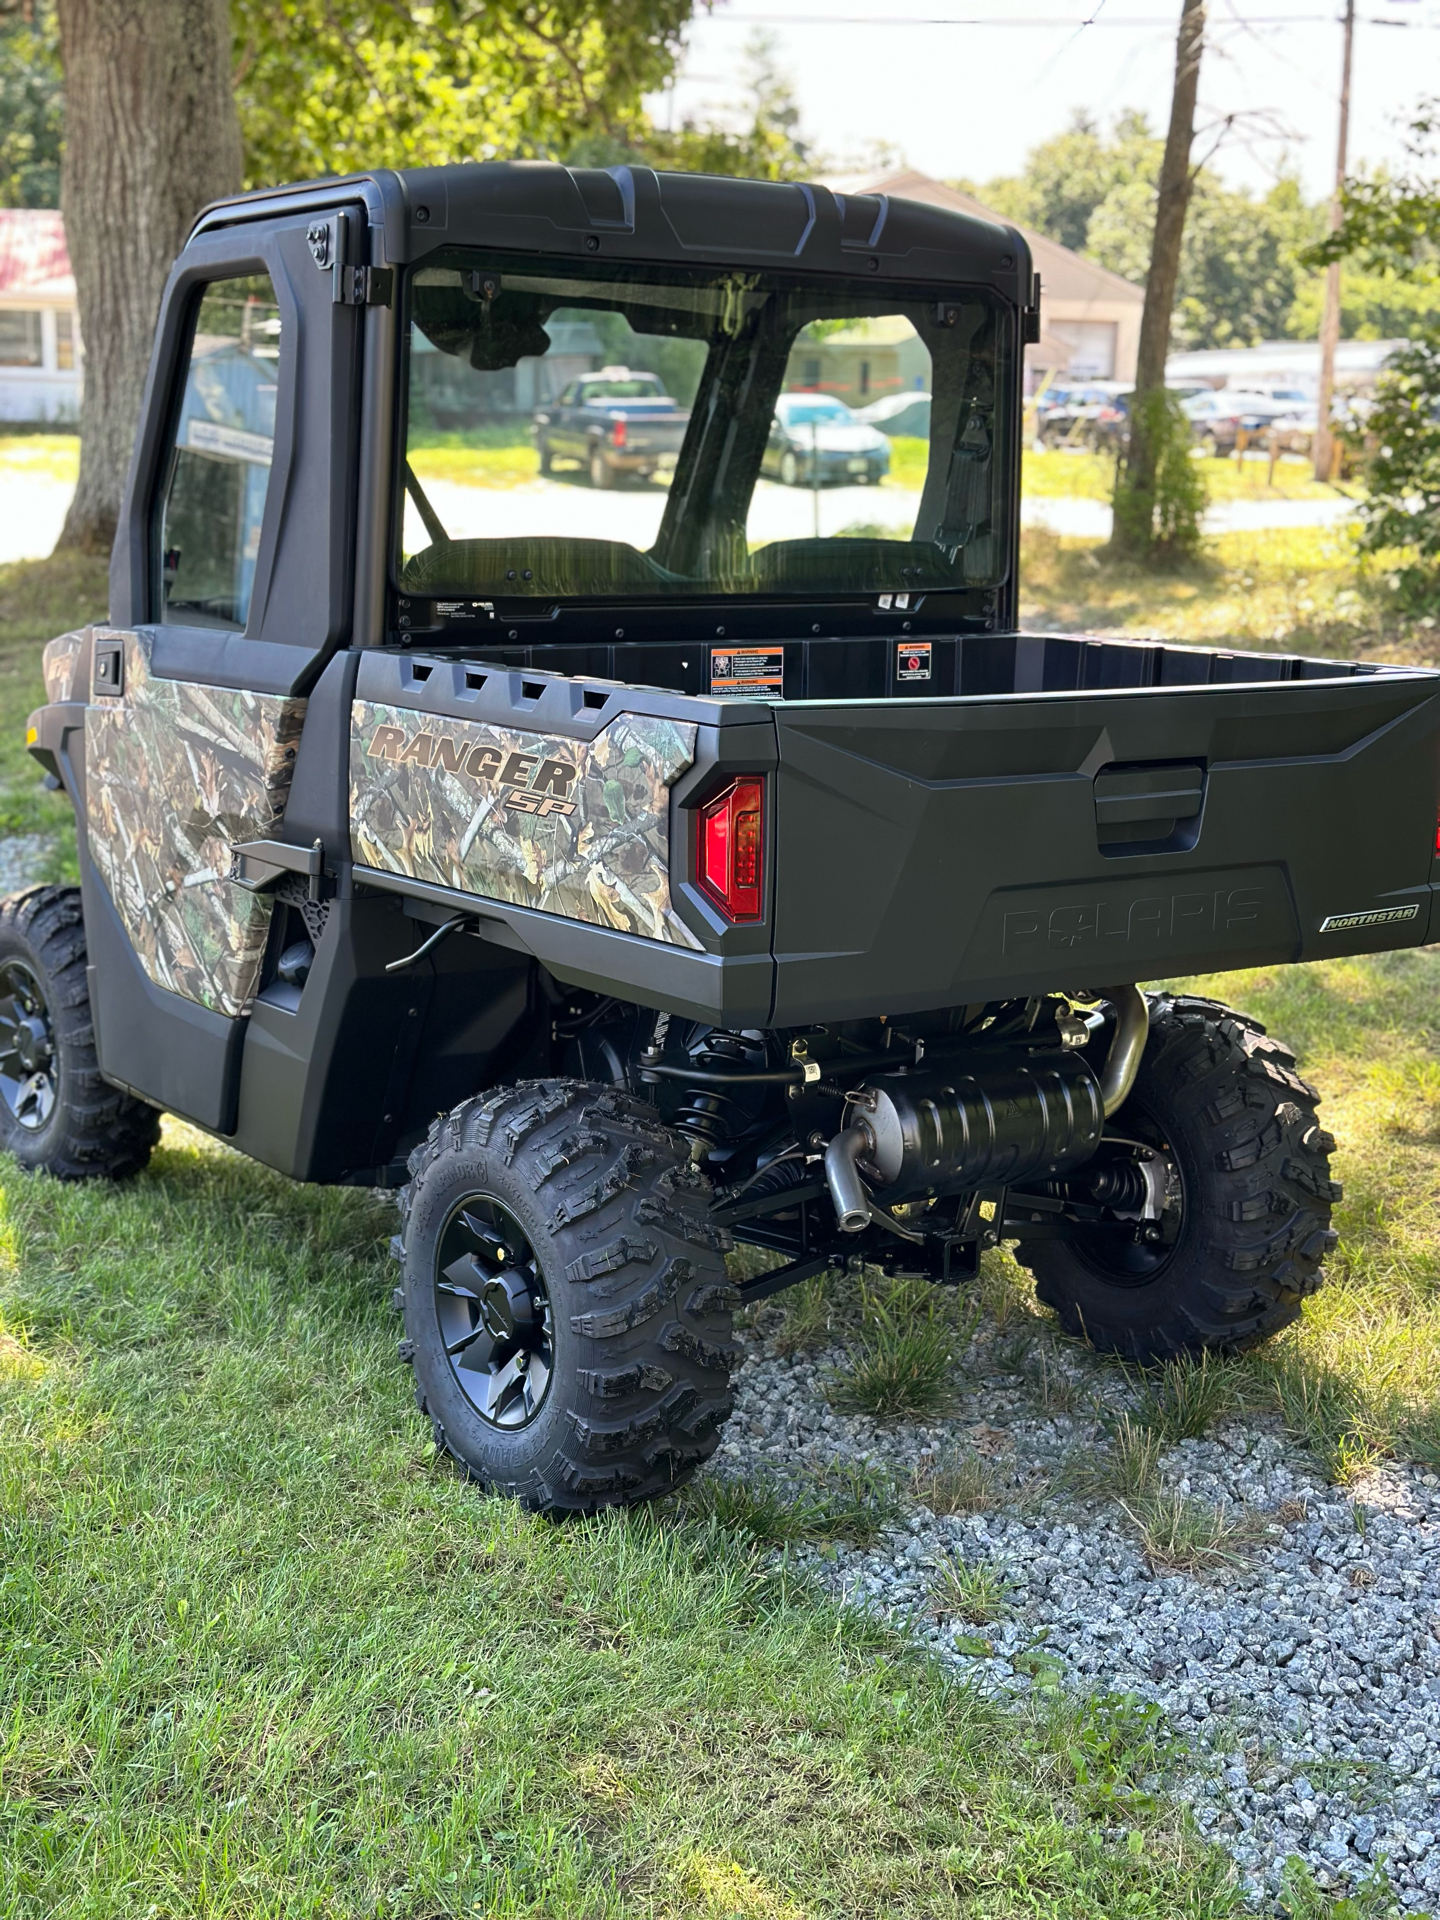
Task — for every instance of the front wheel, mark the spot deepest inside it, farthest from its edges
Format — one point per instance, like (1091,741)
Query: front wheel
(566,1307)
(57,1112)
(1236,1218)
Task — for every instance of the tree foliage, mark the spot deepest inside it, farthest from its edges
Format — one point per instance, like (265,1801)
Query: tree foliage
(1403,507)
(1161,516)
(334,86)
(1390,229)
(1240,267)
(768,142)
(32,114)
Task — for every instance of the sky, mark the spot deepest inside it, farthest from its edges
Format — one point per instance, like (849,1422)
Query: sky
(963,88)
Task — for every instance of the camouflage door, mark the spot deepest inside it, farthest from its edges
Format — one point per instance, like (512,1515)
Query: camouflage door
(176,773)
(178,769)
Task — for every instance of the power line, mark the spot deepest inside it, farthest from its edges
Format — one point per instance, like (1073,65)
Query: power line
(1050,21)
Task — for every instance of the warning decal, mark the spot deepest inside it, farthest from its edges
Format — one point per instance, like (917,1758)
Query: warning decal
(912,660)
(748,673)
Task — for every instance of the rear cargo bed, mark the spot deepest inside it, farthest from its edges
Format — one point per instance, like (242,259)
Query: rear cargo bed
(1079,813)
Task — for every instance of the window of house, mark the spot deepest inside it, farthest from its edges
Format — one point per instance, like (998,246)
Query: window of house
(1091,344)
(65,340)
(213,502)
(20,337)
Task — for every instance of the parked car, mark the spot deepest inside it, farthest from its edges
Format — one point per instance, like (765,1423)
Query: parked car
(613,423)
(1077,416)
(816,438)
(1220,417)
(899,414)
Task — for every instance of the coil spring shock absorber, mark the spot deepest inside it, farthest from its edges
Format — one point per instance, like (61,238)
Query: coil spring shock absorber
(714,1116)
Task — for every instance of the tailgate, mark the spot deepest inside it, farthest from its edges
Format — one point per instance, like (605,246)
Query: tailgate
(958,850)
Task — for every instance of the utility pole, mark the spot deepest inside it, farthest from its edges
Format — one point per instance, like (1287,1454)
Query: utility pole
(1330,323)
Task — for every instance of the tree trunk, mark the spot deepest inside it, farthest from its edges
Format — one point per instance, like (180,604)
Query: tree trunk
(151,134)
(1172,203)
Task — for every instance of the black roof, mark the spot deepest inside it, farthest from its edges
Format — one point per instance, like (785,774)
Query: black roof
(538,206)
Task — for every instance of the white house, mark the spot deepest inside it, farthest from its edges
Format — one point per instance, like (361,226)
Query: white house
(40,355)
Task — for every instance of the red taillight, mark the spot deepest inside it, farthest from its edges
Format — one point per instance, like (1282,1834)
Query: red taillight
(731,851)
(617,434)
(1437,834)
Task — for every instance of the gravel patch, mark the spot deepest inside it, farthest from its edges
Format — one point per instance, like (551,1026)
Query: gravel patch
(1304,1678)
(22,860)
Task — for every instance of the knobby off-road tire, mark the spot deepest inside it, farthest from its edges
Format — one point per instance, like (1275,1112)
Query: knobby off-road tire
(1249,1172)
(630,1323)
(56,1109)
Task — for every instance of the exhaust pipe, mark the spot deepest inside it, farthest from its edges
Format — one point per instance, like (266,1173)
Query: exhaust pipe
(1132,1029)
(991,1119)
(842,1176)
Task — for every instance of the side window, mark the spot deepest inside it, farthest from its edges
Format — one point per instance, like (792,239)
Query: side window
(219,471)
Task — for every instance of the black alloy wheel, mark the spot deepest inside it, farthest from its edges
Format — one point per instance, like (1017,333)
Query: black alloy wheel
(567,1311)
(27,1047)
(494,1313)
(57,1110)
(1234,1205)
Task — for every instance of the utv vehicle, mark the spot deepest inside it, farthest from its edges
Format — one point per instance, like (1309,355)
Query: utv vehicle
(622,873)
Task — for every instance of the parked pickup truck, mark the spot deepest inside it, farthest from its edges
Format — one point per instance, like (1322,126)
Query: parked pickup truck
(612,423)
(621,883)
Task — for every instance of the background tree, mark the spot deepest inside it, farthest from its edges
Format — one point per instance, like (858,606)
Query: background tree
(336,86)
(1068,178)
(151,135)
(1240,272)
(32,116)
(759,138)
(1390,228)
(1150,453)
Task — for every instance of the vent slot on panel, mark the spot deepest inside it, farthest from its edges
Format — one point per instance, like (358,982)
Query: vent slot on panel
(1152,808)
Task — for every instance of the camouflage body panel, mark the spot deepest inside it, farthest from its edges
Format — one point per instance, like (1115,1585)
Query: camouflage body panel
(59,662)
(175,773)
(571,827)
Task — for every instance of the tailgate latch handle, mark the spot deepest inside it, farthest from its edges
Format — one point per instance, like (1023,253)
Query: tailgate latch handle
(1151,807)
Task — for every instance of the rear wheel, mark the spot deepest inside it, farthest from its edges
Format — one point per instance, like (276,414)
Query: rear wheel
(789,470)
(1238,1197)
(566,1307)
(57,1111)
(600,474)
(547,459)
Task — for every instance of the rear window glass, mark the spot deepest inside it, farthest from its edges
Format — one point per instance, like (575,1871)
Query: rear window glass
(644,432)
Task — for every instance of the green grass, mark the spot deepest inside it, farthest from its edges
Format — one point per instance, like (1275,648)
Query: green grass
(49,456)
(38,599)
(264,1655)
(1091,476)
(1184,1400)
(1181,1534)
(475,460)
(1290,590)
(975,1591)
